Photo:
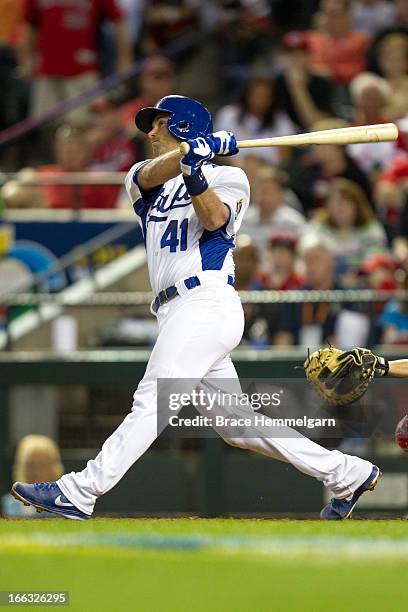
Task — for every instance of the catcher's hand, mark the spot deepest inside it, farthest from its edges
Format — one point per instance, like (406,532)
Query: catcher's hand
(342,377)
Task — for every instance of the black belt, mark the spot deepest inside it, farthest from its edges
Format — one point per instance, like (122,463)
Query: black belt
(168,294)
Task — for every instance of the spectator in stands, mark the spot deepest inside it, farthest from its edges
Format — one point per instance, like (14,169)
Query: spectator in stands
(259,318)
(350,225)
(392,59)
(247,277)
(401,19)
(77,151)
(390,198)
(12,100)
(281,271)
(370,16)
(257,115)
(371,95)
(71,154)
(306,96)
(310,324)
(157,80)
(379,274)
(59,52)
(394,321)
(111,150)
(166,21)
(311,181)
(37,459)
(338,50)
(244,33)
(11,23)
(270,211)
(400,25)
(251,164)
(398,175)
(19,193)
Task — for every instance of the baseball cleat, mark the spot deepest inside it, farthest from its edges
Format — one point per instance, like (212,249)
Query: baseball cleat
(47,497)
(339,509)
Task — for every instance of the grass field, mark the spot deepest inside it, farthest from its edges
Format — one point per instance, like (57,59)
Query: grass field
(197,565)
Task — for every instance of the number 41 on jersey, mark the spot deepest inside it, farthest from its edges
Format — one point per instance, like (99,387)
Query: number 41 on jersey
(174,236)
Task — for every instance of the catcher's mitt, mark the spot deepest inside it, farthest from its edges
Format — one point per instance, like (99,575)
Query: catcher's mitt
(341,377)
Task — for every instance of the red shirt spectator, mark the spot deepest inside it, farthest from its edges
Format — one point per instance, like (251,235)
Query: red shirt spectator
(343,57)
(67,33)
(60,196)
(337,49)
(112,151)
(397,171)
(281,257)
(157,80)
(11,22)
(72,154)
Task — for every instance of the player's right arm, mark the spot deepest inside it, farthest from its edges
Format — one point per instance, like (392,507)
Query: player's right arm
(159,170)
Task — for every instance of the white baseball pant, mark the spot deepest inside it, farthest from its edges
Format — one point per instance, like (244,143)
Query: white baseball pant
(197,331)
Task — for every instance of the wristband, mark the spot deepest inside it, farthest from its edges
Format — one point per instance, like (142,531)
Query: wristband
(382,367)
(196,183)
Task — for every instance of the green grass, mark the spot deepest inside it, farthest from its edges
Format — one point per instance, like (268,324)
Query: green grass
(197,565)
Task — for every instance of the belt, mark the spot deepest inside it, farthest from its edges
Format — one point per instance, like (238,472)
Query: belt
(171,292)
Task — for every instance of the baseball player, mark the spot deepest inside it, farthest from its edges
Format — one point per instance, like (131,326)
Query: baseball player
(190,211)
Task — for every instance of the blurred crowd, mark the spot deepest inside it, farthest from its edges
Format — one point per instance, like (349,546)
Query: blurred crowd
(324,217)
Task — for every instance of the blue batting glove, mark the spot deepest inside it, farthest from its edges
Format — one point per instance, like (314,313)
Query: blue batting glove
(201,150)
(225,143)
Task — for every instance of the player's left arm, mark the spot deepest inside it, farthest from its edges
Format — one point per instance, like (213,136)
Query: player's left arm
(208,207)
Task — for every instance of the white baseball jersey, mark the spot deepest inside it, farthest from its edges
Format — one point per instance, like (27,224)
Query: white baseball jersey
(177,244)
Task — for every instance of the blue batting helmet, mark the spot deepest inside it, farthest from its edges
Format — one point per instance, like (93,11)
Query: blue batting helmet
(187,117)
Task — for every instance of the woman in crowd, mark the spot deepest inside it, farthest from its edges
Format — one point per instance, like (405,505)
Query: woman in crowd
(271,208)
(320,166)
(392,58)
(256,115)
(349,222)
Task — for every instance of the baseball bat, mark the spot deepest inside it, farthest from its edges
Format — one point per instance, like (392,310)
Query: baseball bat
(382,132)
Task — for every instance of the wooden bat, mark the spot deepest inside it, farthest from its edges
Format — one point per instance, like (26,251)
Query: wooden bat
(382,132)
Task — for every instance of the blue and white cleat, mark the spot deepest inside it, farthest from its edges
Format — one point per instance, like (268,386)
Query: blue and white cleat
(47,497)
(339,509)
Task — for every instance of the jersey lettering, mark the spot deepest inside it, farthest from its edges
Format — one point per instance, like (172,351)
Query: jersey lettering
(180,199)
